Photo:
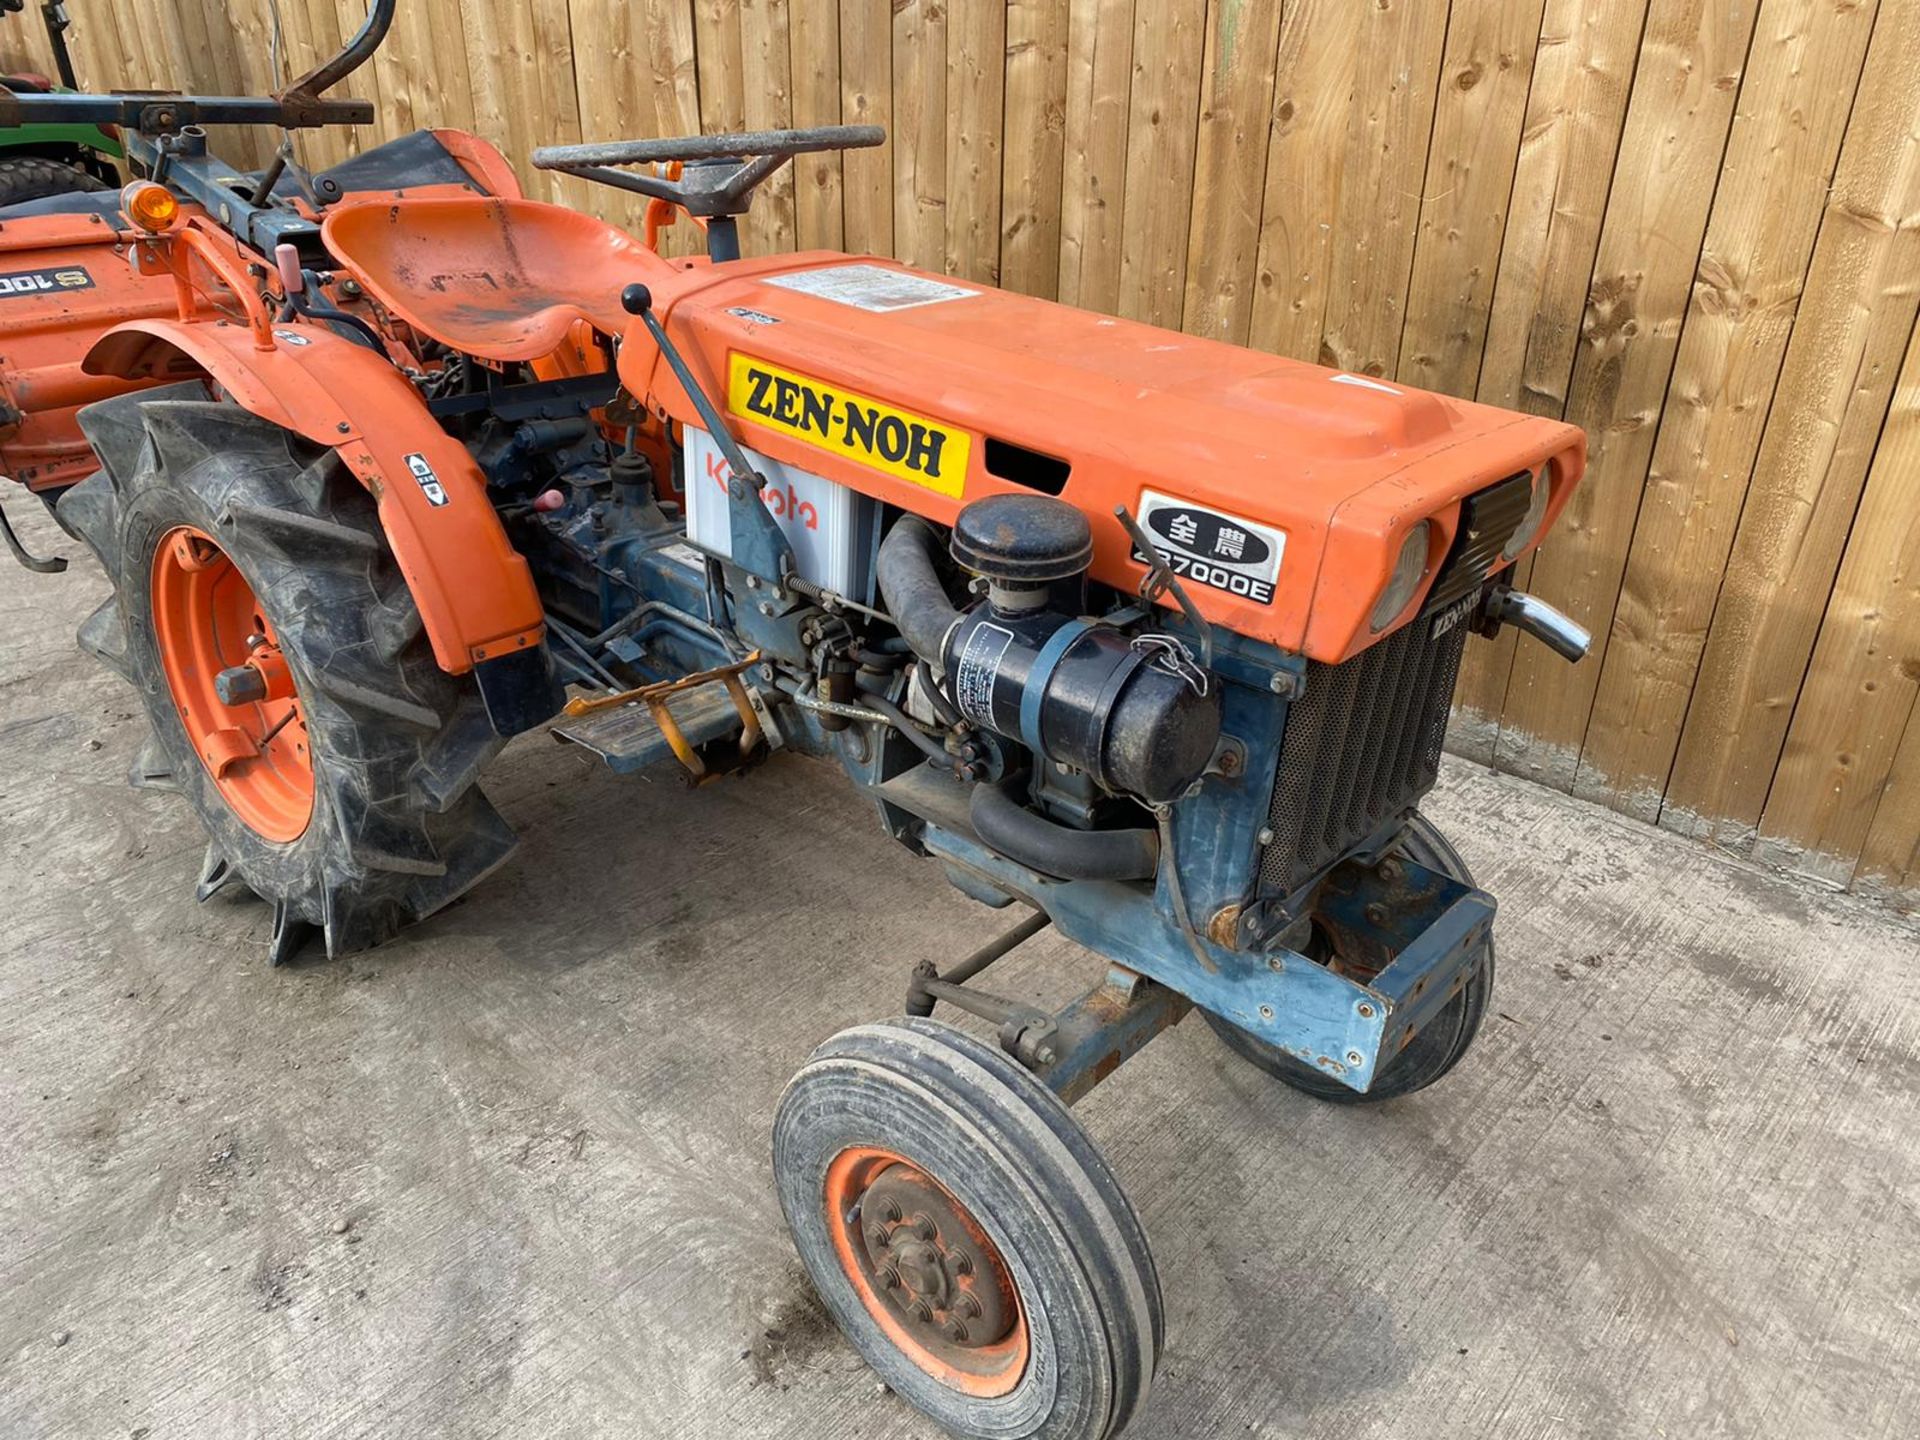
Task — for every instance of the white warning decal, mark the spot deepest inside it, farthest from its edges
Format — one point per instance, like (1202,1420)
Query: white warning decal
(1226,552)
(871,287)
(976,668)
(429,482)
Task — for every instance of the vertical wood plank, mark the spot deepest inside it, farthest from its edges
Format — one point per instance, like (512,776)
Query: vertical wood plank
(1094,183)
(1386,158)
(1035,146)
(423,70)
(252,27)
(1831,794)
(1169,39)
(555,119)
(1482,100)
(920,132)
(768,87)
(1582,72)
(1851,328)
(1316,72)
(24,47)
(232,28)
(638,79)
(313,33)
(503,59)
(866,98)
(1230,168)
(1677,120)
(1889,865)
(814,63)
(716,39)
(1780,159)
(365,83)
(99,61)
(976,104)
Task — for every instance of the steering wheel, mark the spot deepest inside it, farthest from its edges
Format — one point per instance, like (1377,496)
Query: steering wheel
(718,172)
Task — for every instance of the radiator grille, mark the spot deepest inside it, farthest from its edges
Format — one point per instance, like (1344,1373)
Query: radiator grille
(1360,746)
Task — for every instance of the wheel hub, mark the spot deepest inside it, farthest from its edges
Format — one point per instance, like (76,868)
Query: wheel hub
(936,1268)
(927,1271)
(231,685)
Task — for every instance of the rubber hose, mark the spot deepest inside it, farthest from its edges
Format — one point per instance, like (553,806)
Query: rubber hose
(915,597)
(1003,822)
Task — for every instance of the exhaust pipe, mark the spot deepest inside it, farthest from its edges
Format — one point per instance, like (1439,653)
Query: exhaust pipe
(1540,620)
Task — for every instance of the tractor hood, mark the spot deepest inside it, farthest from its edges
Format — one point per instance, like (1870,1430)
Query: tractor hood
(1284,492)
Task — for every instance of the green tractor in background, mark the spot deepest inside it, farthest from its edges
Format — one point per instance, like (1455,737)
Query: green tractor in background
(39,161)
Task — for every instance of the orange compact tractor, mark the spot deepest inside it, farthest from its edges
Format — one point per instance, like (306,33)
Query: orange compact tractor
(1150,637)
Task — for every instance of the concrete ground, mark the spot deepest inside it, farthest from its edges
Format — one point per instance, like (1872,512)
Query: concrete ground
(509,1176)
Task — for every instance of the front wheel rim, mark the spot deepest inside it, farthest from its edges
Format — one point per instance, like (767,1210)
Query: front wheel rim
(926,1272)
(206,620)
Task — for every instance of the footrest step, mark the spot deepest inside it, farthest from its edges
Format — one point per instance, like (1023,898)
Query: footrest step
(628,738)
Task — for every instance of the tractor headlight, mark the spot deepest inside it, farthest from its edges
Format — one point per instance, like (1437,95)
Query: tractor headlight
(1528,530)
(1408,571)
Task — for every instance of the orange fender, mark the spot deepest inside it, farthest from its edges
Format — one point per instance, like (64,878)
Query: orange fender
(474,591)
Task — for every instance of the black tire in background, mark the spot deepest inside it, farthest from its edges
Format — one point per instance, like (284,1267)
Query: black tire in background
(34,177)
(1012,1157)
(398,827)
(1433,1052)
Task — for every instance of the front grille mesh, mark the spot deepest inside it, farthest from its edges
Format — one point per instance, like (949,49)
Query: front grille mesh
(1362,745)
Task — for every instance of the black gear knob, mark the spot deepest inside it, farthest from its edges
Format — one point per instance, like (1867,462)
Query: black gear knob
(636,299)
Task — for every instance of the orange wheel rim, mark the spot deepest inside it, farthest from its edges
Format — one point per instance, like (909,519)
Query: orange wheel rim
(927,1272)
(206,621)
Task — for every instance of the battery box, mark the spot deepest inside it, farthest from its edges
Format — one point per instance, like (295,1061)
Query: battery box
(830,527)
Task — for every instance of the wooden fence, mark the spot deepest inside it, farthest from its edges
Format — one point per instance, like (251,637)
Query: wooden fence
(1690,226)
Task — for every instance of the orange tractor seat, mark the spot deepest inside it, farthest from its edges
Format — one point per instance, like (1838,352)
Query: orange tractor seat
(499,278)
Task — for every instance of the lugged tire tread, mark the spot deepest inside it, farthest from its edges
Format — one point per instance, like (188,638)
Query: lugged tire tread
(403,828)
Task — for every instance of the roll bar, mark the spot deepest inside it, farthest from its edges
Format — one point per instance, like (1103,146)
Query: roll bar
(157,112)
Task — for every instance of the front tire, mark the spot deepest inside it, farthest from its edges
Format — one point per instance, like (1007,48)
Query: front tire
(1432,1052)
(345,798)
(966,1235)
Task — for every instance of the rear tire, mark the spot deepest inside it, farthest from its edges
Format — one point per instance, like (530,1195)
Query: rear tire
(1057,1283)
(32,177)
(1433,1052)
(396,827)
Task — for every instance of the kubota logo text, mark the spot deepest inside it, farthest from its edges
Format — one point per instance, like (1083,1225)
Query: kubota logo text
(783,505)
(867,431)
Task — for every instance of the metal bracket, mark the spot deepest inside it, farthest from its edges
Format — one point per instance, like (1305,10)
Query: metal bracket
(1160,580)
